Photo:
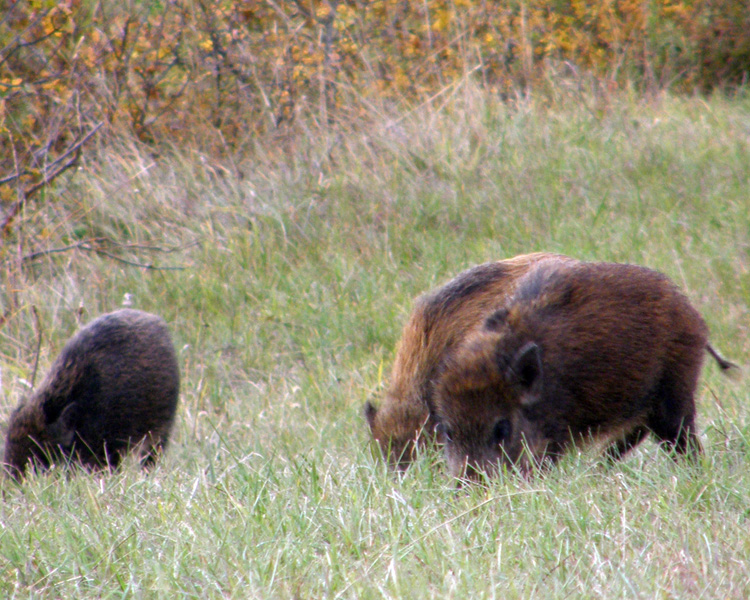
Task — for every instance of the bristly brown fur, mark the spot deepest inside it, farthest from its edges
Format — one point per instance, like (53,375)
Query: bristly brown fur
(578,351)
(440,320)
(114,388)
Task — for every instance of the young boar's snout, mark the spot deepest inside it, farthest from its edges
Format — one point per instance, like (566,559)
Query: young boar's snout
(480,452)
(467,471)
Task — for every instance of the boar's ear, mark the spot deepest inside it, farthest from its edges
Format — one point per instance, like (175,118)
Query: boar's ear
(370,413)
(53,407)
(62,430)
(526,366)
(61,411)
(496,320)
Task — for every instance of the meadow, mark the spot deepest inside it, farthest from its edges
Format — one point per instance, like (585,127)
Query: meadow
(286,275)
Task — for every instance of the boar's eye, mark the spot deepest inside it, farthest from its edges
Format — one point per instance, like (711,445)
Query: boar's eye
(443,433)
(501,432)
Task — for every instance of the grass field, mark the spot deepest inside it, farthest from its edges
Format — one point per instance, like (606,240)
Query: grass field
(286,276)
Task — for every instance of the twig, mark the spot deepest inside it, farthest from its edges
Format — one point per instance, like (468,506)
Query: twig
(13,177)
(75,147)
(38,344)
(35,255)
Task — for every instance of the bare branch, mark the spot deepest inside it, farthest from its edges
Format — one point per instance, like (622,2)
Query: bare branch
(54,170)
(130,263)
(13,177)
(7,52)
(34,255)
(153,248)
(95,245)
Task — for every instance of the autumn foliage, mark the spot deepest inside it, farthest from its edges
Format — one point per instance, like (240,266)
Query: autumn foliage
(217,73)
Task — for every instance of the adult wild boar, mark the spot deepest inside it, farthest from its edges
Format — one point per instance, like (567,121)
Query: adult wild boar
(113,388)
(579,351)
(440,320)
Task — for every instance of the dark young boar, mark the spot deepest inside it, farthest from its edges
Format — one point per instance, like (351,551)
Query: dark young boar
(580,351)
(113,388)
(439,321)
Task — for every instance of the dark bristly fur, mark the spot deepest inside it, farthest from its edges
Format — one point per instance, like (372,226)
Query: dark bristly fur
(579,351)
(113,388)
(439,321)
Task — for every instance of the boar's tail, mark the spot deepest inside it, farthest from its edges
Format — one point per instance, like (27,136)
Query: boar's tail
(727,367)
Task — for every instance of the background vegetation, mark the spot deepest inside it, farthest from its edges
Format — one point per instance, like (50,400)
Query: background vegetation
(214,74)
(283,238)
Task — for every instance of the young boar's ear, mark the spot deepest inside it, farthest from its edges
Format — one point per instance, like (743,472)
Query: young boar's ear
(53,407)
(62,430)
(526,366)
(61,411)
(370,412)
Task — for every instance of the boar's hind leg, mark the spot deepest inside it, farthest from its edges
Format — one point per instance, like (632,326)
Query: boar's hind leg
(673,419)
(684,442)
(621,447)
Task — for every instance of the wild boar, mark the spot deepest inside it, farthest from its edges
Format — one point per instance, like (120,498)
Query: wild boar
(579,351)
(113,388)
(440,320)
